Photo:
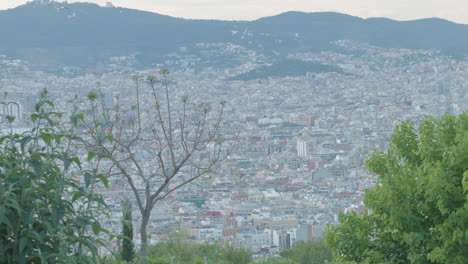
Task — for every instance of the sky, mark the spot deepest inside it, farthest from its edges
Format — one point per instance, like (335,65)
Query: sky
(453,10)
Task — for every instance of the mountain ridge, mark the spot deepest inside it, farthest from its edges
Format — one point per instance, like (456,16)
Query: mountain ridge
(83,34)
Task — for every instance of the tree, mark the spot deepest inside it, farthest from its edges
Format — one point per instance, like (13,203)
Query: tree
(127,251)
(418,210)
(177,250)
(157,145)
(48,210)
(231,255)
(311,252)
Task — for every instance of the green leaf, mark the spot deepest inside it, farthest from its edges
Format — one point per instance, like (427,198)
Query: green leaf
(104,180)
(47,138)
(38,167)
(77,196)
(37,236)
(91,96)
(34,117)
(57,214)
(10,119)
(77,161)
(25,140)
(88,178)
(91,155)
(4,219)
(22,244)
(96,228)
(66,163)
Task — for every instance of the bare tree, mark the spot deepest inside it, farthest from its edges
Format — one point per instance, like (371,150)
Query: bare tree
(158,145)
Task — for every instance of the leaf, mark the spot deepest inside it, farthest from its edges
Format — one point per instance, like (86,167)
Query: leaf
(87,177)
(66,163)
(91,155)
(3,217)
(25,140)
(22,244)
(38,167)
(57,214)
(10,119)
(104,180)
(96,228)
(77,196)
(47,138)
(91,96)
(34,117)
(49,102)
(37,236)
(77,161)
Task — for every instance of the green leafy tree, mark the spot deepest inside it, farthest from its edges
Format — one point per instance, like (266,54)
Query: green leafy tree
(48,211)
(178,251)
(311,252)
(418,211)
(175,248)
(233,255)
(127,251)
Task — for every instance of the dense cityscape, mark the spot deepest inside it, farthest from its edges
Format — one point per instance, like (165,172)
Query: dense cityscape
(297,143)
(298,160)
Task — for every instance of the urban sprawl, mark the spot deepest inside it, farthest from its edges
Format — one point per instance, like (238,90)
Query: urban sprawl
(300,142)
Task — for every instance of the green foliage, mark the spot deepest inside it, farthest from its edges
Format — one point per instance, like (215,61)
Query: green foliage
(177,251)
(312,252)
(236,255)
(46,215)
(419,205)
(127,251)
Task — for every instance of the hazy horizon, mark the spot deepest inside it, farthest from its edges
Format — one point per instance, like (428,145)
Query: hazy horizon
(253,9)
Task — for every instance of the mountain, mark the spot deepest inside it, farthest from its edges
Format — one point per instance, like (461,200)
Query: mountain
(83,34)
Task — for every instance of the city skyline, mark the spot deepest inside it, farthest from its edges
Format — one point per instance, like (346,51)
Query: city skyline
(451,10)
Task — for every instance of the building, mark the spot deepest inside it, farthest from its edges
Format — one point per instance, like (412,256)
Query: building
(302,148)
(284,240)
(308,232)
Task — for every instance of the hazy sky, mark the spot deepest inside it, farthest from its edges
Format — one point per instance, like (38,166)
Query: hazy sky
(454,10)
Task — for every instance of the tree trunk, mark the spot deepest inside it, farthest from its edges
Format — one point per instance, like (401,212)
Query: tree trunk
(144,237)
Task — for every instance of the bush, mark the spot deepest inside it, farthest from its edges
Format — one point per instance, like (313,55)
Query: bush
(182,252)
(46,215)
(312,252)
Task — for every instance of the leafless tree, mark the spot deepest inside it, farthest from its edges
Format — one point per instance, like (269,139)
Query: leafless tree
(158,145)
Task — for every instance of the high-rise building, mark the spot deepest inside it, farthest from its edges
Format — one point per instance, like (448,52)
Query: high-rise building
(284,240)
(302,148)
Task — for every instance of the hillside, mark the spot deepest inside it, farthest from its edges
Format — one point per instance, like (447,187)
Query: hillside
(287,68)
(83,34)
